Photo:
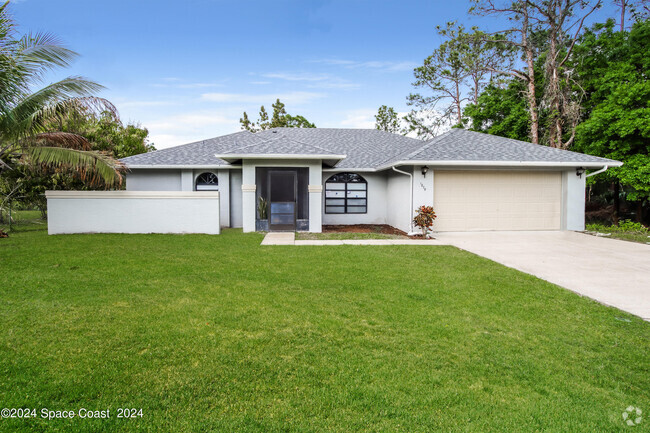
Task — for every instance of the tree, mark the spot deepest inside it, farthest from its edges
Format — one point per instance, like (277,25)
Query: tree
(27,181)
(25,114)
(561,94)
(513,44)
(613,67)
(500,110)
(559,23)
(279,119)
(387,120)
(446,73)
(640,10)
(107,133)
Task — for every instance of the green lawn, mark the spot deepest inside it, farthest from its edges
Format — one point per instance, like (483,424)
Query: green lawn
(215,333)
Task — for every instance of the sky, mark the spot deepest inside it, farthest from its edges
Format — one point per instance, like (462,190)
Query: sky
(186,70)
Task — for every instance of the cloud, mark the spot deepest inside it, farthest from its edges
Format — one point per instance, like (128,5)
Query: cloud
(374,64)
(288,98)
(260,82)
(362,118)
(189,127)
(178,84)
(313,81)
(190,121)
(297,77)
(136,104)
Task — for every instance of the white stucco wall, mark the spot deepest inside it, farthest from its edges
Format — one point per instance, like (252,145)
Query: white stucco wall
(180,180)
(376,202)
(422,187)
(224,195)
(573,195)
(132,212)
(398,199)
(154,180)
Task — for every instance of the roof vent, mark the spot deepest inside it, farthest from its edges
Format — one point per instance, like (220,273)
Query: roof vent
(275,132)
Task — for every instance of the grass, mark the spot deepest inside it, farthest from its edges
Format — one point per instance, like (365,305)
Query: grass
(344,236)
(215,333)
(626,230)
(23,220)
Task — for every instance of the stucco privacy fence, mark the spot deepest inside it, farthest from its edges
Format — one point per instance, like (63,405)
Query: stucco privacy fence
(133,212)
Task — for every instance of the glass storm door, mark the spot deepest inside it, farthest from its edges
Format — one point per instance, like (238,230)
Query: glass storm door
(282,200)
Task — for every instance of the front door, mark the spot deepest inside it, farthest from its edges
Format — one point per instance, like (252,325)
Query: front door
(282,200)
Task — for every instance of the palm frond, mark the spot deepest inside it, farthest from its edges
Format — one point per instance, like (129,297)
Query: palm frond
(95,167)
(68,140)
(30,113)
(82,106)
(38,53)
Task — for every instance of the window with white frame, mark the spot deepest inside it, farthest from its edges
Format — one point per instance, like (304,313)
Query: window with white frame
(346,193)
(207,182)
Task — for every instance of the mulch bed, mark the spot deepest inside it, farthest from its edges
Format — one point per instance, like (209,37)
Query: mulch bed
(368,228)
(363,228)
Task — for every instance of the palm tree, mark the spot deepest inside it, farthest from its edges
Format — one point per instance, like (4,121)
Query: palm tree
(27,116)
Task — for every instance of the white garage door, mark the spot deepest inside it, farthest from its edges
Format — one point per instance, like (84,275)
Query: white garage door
(497,200)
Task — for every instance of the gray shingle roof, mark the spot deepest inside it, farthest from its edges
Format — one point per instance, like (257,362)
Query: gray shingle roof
(279,143)
(199,153)
(463,145)
(365,148)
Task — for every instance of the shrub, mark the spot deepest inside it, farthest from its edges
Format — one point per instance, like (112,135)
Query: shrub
(624,226)
(424,219)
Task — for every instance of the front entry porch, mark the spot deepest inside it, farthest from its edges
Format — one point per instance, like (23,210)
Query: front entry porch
(281,198)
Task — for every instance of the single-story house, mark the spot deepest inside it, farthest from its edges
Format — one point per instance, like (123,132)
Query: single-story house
(301,179)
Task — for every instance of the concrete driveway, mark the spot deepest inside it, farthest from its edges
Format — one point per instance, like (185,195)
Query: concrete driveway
(612,272)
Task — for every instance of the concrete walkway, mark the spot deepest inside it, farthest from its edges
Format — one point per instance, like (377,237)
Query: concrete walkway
(281,238)
(613,272)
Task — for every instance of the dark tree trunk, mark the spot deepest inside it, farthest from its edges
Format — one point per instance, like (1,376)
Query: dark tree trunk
(617,202)
(639,211)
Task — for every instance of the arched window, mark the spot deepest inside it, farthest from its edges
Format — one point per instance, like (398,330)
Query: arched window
(346,193)
(207,182)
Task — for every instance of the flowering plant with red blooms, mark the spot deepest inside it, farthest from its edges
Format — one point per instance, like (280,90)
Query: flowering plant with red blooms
(424,219)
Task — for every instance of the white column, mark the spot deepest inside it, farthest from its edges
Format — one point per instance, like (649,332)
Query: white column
(224,189)
(315,197)
(315,208)
(248,197)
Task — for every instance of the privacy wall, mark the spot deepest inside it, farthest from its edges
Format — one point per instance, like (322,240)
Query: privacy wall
(133,212)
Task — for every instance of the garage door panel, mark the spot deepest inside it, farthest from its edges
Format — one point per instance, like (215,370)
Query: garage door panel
(497,200)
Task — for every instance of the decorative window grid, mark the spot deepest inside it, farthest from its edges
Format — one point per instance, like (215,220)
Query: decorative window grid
(346,193)
(207,182)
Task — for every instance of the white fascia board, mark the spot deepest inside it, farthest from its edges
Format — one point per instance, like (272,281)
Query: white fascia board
(353,170)
(131,194)
(510,164)
(278,156)
(181,167)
